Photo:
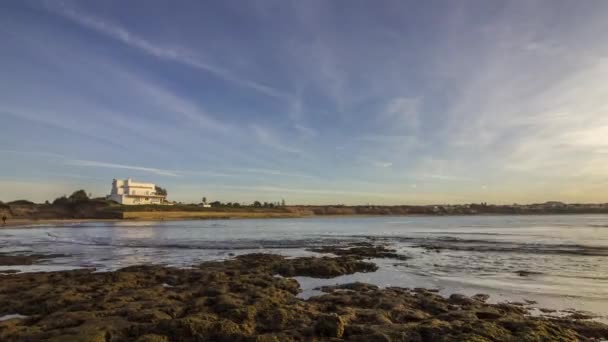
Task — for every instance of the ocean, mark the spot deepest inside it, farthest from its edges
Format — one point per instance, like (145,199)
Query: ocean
(558,261)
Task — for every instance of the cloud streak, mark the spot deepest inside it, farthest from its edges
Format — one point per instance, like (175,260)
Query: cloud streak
(155,171)
(174,54)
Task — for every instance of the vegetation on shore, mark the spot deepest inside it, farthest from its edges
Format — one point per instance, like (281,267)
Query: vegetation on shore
(253,298)
(79,205)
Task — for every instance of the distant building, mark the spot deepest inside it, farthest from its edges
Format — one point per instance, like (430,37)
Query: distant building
(133,193)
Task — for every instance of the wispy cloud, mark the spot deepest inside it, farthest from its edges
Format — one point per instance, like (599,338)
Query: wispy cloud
(273,172)
(174,54)
(91,163)
(382,164)
(175,104)
(444,177)
(364,159)
(305,130)
(313,191)
(404,112)
(267,137)
(34,153)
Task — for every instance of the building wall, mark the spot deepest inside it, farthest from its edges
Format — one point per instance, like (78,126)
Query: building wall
(121,189)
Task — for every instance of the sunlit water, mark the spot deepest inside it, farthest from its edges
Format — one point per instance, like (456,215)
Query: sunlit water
(567,256)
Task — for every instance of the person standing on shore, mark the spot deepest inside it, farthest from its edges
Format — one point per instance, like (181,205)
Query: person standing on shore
(3,220)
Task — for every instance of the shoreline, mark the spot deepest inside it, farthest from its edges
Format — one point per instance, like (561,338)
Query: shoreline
(160,216)
(34,223)
(254,297)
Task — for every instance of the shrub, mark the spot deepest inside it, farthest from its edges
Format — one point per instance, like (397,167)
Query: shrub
(61,201)
(79,195)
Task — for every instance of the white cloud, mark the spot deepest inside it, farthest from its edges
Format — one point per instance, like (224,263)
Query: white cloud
(90,163)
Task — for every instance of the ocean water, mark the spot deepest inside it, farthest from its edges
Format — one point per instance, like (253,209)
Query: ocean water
(564,257)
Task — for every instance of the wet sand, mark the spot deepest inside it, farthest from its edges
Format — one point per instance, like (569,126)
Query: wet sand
(253,298)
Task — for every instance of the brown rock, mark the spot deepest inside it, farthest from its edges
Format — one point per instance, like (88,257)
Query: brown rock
(330,325)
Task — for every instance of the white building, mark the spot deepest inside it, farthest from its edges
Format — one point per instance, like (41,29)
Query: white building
(132,193)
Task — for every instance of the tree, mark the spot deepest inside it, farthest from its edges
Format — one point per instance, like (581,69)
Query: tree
(257,204)
(160,191)
(236,204)
(216,204)
(61,201)
(204,200)
(79,195)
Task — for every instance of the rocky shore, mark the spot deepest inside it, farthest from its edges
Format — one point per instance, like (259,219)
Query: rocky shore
(253,298)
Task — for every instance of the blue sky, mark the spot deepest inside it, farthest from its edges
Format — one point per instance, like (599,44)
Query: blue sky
(340,101)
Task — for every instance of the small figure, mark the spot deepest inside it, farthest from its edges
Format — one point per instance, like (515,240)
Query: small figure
(3,219)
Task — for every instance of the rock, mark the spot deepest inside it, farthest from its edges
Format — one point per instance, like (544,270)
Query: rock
(152,338)
(581,315)
(408,315)
(361,251)
(325,267)
(330,325)
(523,273)
(357,286)
(7,259)
(273,319)
(482,297)
(487,314)
(374,337)
(241,299)
(2,272)
(147,316)
(224,303)
(460,299)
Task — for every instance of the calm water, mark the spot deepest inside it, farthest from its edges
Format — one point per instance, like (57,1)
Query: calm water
(567,256)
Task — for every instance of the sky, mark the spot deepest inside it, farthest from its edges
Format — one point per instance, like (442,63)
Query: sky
(314,102)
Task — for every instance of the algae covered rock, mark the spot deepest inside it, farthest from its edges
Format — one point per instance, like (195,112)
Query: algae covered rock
(243,299)
(330,325)
(152,338)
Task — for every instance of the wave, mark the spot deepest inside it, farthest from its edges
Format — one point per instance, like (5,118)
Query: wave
(473,245)
(482,234)
(482,245)
(210,245)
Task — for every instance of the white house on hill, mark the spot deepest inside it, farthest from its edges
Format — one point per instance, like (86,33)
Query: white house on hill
(132,193)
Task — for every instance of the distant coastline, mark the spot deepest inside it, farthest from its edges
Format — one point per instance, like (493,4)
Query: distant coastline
(23,212)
